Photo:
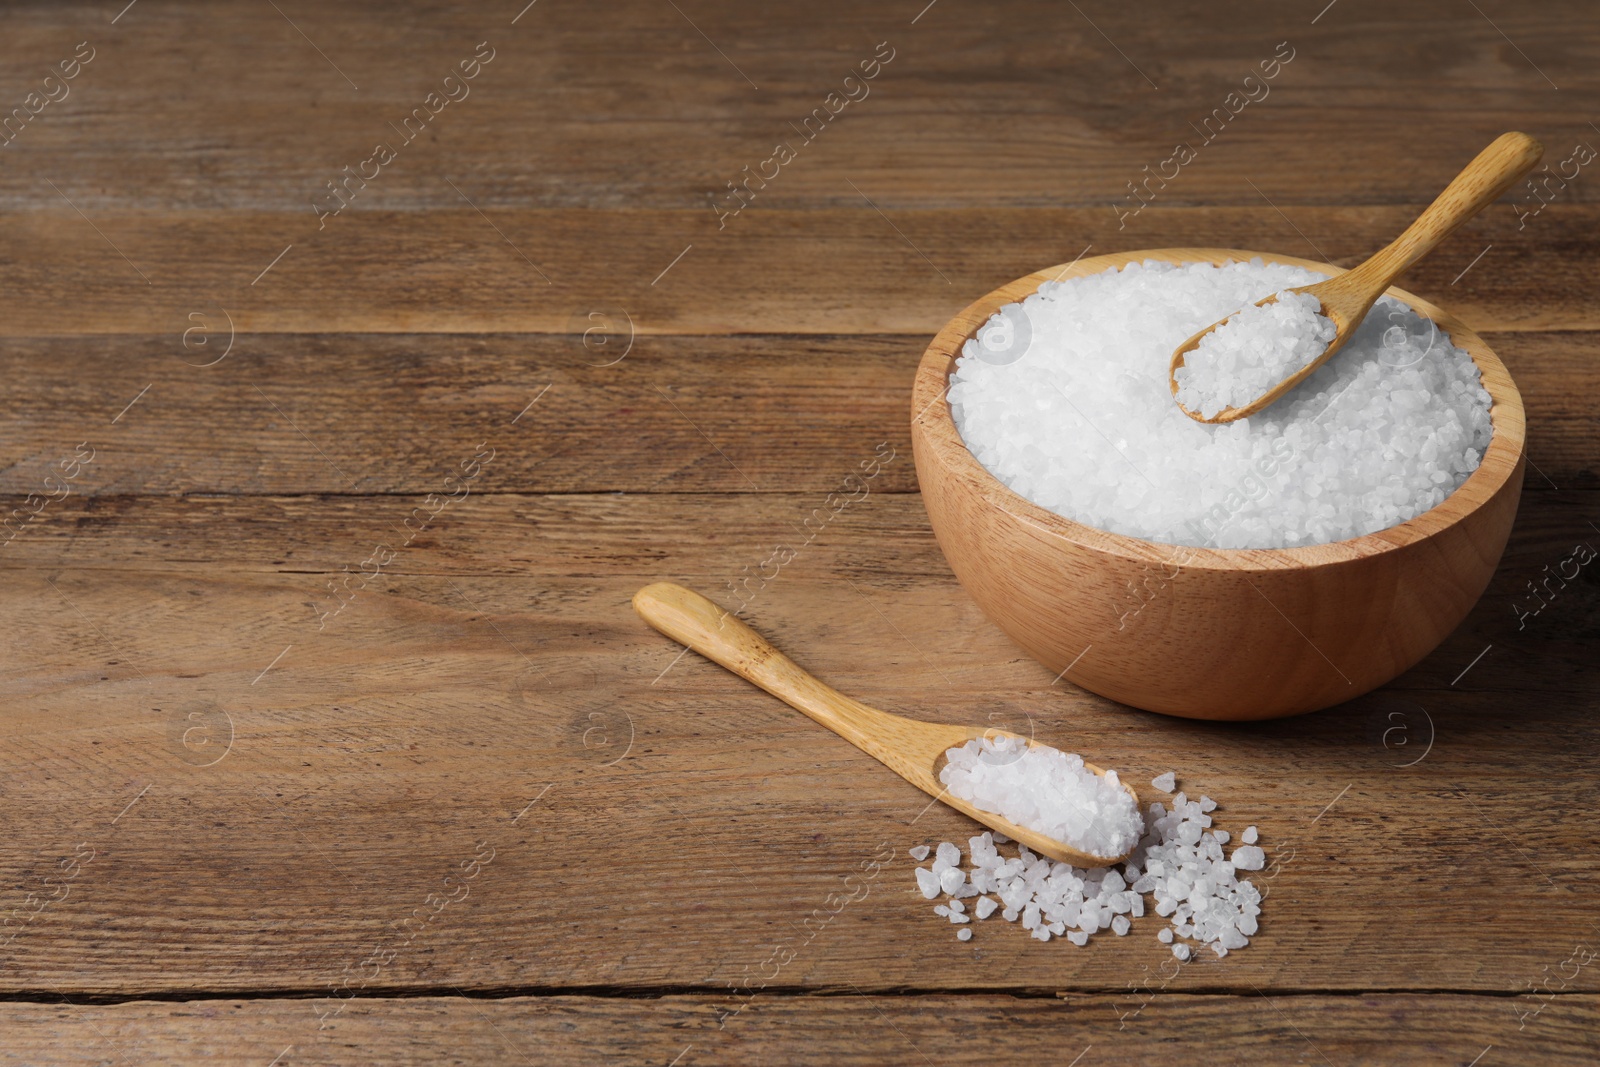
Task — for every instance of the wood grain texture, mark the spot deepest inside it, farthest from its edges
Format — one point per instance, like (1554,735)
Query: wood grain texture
(883,544)
(628,106)
(306,697)
(1363,1031)
(374,414)
(832,270)
(501,657)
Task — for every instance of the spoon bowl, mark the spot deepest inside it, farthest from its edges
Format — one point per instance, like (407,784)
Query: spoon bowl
(913,749)
(1347,298)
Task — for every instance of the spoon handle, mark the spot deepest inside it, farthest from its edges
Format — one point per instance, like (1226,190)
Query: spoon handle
(1496,169)
(691,619)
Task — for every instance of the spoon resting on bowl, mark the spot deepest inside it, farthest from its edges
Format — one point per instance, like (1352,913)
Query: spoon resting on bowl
(1346,298)
(910,748)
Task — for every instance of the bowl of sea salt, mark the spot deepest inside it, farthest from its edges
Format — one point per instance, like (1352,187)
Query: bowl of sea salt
(1267,567)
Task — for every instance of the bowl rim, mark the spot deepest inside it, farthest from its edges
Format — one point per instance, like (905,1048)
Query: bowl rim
(1501,461)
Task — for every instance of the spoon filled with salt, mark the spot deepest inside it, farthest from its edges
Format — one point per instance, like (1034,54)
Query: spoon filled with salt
(1051,801)
(1236,367)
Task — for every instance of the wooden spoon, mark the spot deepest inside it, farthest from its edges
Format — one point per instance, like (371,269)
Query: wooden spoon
(908,747)
(1346,298)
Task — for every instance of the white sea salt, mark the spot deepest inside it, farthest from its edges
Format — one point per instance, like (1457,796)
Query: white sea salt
(1179,863)
(920,853)
(1165,782)
(1249,835)
(1254,350)
(1248,858)
(1078,417)
(1046,790)
(964,934)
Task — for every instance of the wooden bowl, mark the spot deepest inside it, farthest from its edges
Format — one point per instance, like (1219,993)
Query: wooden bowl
(1230,633)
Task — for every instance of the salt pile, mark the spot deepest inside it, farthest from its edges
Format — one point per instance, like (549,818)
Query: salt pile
(1046,790)
(1071,408)
(1250,353)
(1179,863)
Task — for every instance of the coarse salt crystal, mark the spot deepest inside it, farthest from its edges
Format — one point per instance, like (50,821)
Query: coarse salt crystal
(1080,418)
(1248,858)
(1178,860)
(1252,351)
(1165,782)
(1046,790)
(920,853)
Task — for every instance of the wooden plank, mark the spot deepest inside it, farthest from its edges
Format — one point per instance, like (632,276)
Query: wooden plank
(1022,105)
(881,541)
(399,414)
(834,270)
(1539,621)
(381,414)
(1363,1031)
(681,823)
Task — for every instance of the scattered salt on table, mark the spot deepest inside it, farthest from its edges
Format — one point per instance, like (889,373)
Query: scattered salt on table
(1179,862)
(1248,858)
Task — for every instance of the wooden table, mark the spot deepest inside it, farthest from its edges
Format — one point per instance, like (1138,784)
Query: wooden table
(330,736)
